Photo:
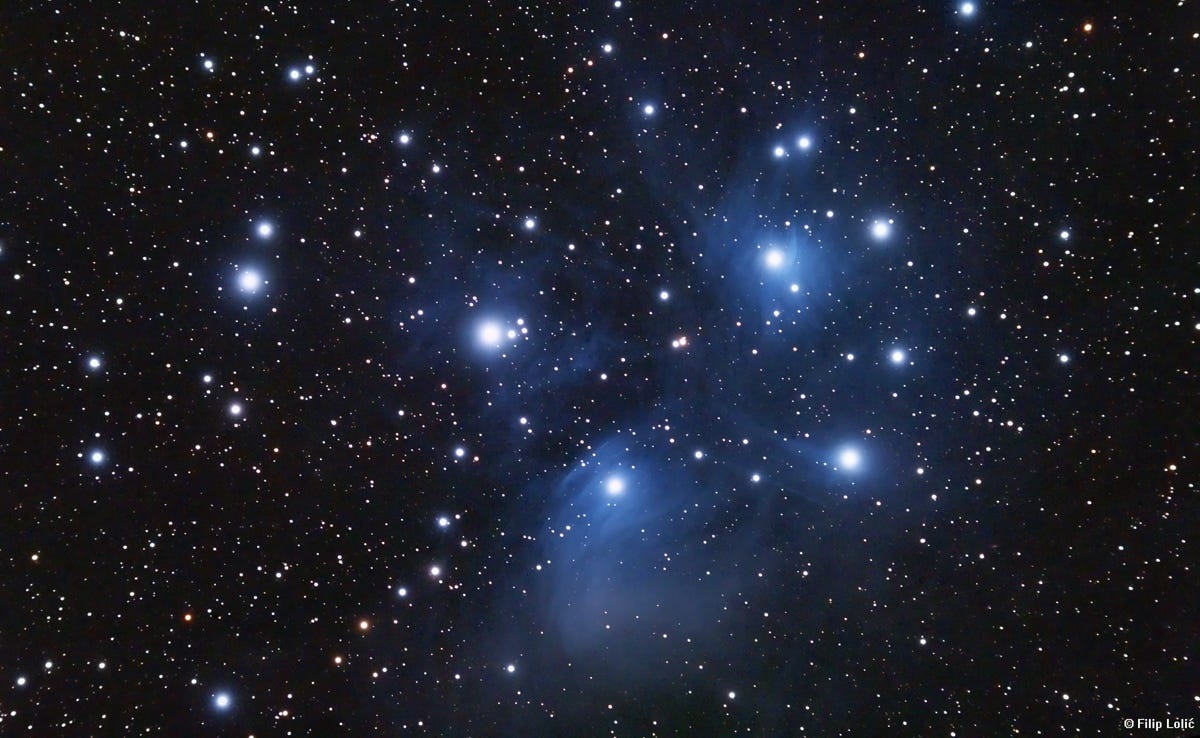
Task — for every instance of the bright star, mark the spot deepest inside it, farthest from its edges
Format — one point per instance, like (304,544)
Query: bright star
(897,356)
(755,478)
(664,295)
(250,281)
(293,74)
(264,230)
(491,334)
(530,224)
(222,701)
(1063,359)
(774,258)
(309,69)
(967,9)
(780,152)
(97,457)
(510,668)
(255,151)
(1064,235)
(460,452)
(850,459)
(94,362)
(404,139)
(443,522)
(880,230)
(435,571)
(614,485)
(402,591)
(648,109)
(804,143)
(607,48)
(208,64)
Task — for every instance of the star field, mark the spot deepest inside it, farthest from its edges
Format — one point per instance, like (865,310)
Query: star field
(616,368)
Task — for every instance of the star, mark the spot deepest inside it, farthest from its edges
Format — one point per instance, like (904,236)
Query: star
(94,363)
(880,230)
(774,258)
(491,334)
(96,457)
(664,295)
(235,409)
(967,9)
(460,452)
(897,356)
(804,143)
(443,522)
(607,48)
(255,151)
(1064,235)
(402,591)
(404,139)
(222,700)
(530,224)
(209,65)
(511,668)
(849,459)
(435,571)
(249,281)
(648,109)
(780,152)
(264,229)
(293,74)
(614,485)
(1064,359)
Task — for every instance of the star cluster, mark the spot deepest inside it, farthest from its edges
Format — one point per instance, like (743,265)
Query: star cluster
(623,368)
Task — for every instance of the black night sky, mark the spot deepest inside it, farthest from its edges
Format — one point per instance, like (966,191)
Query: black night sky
(599,369)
